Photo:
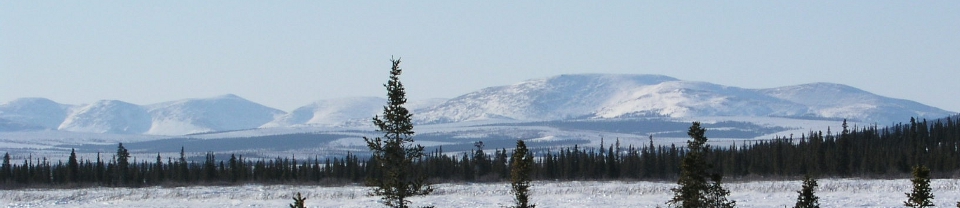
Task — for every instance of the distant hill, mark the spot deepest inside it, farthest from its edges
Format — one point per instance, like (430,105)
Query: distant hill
(108,116)
(564,97)
(619,96)
(331,112)
(39,112)
(221,113)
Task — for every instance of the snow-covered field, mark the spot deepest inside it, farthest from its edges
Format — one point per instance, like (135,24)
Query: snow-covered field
(832,192)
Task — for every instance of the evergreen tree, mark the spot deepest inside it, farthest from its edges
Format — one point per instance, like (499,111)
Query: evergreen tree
(467,169)
(123,165)
(520,175)
(235,168)
(480,162)
(6,171)
(717,195)
(298,201)
(499,164)
(183,172)
(209,167)
(73,168)
(101,171)
(921,196)
(158,172)
(693,190)
(395,152)
(693,184)
(808,197)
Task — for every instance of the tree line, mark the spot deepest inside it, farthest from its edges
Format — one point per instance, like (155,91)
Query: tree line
(852,152)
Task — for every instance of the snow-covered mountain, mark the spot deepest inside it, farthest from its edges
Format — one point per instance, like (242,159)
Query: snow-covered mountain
(565,96)
(841,101)
(221,113)
(108,116)
(340,112)
(613,96)
(34,112)
(333,112)
(592,96)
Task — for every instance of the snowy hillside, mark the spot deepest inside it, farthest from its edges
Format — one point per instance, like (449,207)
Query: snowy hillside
(616,96)
(221,113)
(342,112)
(842,101)
(564,96)
(333,112)
(108,116)
(695,99)
(36,112)
(188,116)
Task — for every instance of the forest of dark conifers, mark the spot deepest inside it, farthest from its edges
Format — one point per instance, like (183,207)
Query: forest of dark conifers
(866,152)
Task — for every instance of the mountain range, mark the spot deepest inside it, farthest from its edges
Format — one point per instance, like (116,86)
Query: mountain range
(578,96)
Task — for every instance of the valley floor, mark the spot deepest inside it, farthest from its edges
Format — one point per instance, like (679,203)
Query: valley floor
(832,193)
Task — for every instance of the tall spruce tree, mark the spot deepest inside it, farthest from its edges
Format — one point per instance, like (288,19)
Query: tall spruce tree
(922,195)
(183,171)
(395,152)
(480,162)
(158,172)
(123,165)
(73,168)
(6,172)
(520,175)
(693,190)
(808,197)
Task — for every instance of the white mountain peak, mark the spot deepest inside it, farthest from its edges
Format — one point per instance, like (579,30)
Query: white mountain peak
(108,116)
(220,113)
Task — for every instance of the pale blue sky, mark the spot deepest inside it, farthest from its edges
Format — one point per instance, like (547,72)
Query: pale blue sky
(291,53)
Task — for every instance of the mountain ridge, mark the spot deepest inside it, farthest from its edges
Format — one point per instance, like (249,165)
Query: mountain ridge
(568,96)
(655,95)
(198,115)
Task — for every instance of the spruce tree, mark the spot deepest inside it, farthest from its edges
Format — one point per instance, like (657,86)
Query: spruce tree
(183,171)
(520,175)
(235,168)
(73,168)
(922,195)
(209,167)
(6,171)
(480,162)
(395,152)
(716,195)
(100,172)
(298,201)
(158,172)
(808,197)
(467,169)
(693,190)
(123,165)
